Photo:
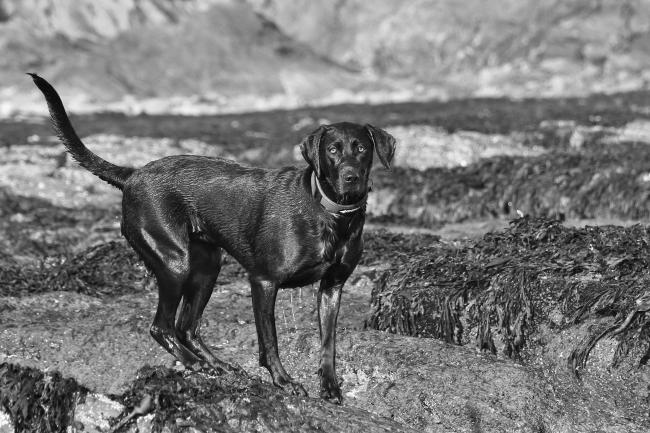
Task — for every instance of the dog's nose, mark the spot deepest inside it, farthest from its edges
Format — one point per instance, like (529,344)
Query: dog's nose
(350,177)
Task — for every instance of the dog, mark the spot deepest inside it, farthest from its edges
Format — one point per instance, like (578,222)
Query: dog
(287,227)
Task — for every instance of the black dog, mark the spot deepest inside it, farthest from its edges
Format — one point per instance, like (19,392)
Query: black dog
(288,228)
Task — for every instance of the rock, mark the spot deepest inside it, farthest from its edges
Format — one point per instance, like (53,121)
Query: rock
(603,178)
(5,423)
(419,384)
(423,147)
(567,302)
(145,423)
(96,411)
(433,386)
(198,401)
(203,401)
(390,383)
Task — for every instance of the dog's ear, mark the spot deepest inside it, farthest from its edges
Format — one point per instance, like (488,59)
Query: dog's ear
(310,148)
(384,144)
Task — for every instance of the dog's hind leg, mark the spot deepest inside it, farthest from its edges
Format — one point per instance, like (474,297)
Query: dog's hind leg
(264,294)
(205,264)
(166,255)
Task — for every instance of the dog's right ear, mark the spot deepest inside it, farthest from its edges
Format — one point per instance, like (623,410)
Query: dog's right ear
(310,148)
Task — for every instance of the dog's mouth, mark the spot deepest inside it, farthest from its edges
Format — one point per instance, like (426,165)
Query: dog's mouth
(349,193)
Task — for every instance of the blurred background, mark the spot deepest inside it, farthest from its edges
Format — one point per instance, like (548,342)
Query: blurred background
(501,108)
(204,56)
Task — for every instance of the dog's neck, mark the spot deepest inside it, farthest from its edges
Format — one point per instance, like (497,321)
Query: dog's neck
(330,205)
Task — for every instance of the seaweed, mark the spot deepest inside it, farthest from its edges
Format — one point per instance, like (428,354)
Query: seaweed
(183,400)
(113,268)
(33,226)
(382,245)
(36,401)
(495,292)
(107,269)
(606,182)
(197,399)
(110,268)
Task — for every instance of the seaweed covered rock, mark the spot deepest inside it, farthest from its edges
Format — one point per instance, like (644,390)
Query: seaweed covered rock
(438,387)
(609,181)
(32,226)
(110,268)
(233,403)
(381,245)
(498,291)
(36,401)
(106,269)
(572,303)
(174,401)
(418,383)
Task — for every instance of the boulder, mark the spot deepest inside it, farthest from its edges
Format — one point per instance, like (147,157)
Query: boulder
(567,301)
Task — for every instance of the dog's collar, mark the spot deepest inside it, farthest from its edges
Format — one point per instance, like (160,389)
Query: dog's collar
(330,205)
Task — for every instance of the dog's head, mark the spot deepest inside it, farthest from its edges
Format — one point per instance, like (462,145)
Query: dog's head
(341,156)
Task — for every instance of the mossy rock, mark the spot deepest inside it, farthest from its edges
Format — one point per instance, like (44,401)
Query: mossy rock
(498,291)
(608,181)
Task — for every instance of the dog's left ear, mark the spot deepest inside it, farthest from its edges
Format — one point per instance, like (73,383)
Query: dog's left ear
(384,144)
(310,148)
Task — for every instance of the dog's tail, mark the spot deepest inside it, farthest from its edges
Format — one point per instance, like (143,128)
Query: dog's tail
(111,173)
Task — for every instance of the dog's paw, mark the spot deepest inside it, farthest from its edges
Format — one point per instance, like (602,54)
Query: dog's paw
(291,387)
(221,367)
(236,369)
(298,389)
(330,390)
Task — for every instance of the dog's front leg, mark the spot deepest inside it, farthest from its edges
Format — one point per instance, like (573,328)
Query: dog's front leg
(264,294)
(329,300)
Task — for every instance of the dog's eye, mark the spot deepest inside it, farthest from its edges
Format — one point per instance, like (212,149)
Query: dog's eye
(361,148)
(332,149)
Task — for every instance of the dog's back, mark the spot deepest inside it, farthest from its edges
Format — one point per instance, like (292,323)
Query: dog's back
(264,218)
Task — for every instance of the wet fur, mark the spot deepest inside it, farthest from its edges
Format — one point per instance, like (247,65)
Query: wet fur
(180,213)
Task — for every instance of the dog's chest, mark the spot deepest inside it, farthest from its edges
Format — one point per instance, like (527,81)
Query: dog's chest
(334,234)
(329,248)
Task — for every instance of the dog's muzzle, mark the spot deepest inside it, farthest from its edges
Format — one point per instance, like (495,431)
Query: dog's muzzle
(349,175)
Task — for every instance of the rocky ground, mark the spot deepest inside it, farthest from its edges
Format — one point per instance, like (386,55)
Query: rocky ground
(76,303)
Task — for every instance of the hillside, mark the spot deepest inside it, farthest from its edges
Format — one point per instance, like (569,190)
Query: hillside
(226,55)
(148,49)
